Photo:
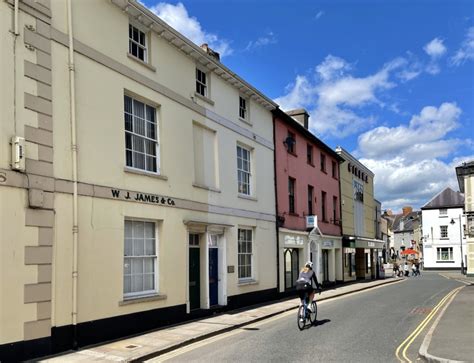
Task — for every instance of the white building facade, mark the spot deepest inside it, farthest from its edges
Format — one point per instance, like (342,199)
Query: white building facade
(443,234)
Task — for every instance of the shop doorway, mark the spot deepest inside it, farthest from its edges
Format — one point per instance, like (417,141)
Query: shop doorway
(194,272)
(213,271)
(291,267)
(325,266)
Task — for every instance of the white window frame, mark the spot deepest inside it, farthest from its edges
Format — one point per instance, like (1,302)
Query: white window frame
(131,41)
(443,212)
(243,171)
(205,84)
(441,232)
(439,254)
(154,291)
(143,138)
(243,109)
(246,253)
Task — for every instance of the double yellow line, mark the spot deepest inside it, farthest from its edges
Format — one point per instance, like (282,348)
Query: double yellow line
(407,342)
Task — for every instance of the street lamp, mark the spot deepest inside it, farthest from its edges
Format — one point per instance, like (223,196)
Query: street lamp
(460,240)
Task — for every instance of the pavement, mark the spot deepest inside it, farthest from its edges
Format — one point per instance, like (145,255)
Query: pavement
(451,337)
(153,344)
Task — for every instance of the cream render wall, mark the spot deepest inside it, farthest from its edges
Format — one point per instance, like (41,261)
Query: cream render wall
(14,236)
(101,247)
(101,161)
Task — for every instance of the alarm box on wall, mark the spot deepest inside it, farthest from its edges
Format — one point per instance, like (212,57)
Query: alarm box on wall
(18,153)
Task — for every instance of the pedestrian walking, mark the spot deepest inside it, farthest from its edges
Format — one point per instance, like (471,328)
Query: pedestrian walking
(406,269)
(413,269)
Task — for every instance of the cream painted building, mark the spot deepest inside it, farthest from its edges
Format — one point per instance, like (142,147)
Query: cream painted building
(362,251)
(465,174)
(136,177)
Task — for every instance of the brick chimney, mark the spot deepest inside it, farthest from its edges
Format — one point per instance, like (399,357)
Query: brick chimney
(300,115)
(407,210)
(211,52)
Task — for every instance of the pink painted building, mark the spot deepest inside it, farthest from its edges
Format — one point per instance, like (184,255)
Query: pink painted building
(307,183)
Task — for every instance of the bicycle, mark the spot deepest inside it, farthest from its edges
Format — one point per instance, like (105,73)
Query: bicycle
(305,314)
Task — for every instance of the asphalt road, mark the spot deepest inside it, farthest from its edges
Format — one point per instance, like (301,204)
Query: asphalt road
(361,327)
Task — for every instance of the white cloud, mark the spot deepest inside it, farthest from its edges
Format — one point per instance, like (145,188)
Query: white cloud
(319,14)
(466,51)
(420,138)
(332,67)
(177,17)
(334,98)
(267,39)
(435,48)
(407,159)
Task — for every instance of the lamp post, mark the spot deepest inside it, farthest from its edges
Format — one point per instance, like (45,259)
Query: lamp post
(460,241)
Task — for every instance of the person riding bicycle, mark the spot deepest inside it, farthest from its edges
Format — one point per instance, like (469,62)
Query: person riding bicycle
(304,284)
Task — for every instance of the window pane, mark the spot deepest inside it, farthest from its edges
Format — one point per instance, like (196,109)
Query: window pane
(128,251)
(127,266)
(138,246)
(128,229)
(128,156)
(127,284)
(149,230)
(137,266)
(149,265)
(139,126)
(148,282)
(150,148)
(139,160)
(149,247)
(151,163)
(137,283)
(151,130)
(134,50)
(128,104)
(141,54)
(128,141)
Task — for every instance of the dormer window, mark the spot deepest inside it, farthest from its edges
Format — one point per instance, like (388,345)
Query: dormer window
(201,82)
(137,43)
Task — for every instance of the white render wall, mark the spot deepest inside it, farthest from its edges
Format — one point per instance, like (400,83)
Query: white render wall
(432,220)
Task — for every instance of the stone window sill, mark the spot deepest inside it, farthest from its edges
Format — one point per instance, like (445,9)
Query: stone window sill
(142,299)
(247,282)
(144,172)
(248,197)
(205,187)
(444,261)
(204,98)
(244,120)
(139,61)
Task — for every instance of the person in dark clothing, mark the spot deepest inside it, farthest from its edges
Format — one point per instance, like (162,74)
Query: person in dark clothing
(304,284)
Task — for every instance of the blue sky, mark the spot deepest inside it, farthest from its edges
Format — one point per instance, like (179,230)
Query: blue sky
(390,81)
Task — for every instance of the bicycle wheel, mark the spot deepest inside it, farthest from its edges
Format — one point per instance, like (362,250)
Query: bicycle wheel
(301,318)
(313,313)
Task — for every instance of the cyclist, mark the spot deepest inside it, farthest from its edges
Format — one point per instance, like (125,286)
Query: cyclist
(304,284)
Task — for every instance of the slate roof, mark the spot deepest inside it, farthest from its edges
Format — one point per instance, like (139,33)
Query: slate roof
(448,198)
(410,222)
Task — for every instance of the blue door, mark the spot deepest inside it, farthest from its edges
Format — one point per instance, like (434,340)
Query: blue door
(213,279)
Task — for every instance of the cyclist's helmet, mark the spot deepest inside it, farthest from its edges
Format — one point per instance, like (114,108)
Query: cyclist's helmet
(309,264)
